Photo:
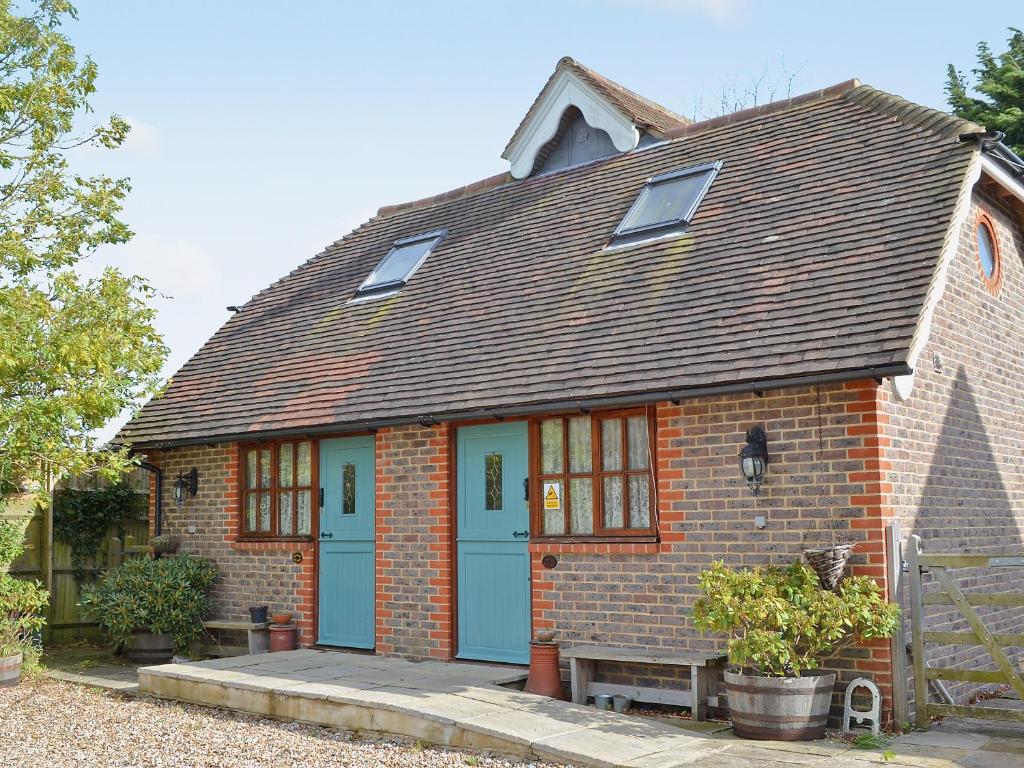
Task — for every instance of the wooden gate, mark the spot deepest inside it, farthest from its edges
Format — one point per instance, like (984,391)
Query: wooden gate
(938,568)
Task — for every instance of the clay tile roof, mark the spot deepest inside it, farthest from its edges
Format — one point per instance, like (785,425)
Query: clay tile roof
(644,113)
(812,253)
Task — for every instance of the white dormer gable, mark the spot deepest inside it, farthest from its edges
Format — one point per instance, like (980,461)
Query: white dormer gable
(567,89)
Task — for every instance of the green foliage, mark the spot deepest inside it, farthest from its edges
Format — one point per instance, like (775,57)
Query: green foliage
(74,351)
(781,622)
(21,602)
(871,740)
(12,543)
(1000,83)
(169,596)
(82,520)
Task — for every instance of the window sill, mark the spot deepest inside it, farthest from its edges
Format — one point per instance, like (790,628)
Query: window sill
(607,546)
(271,543)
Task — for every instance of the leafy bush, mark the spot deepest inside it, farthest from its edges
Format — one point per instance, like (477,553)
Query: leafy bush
(781,622)
(83,519)
(166,596)
(21,602)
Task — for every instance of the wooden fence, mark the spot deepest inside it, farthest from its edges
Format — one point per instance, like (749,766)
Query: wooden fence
(48,560)
(938,567)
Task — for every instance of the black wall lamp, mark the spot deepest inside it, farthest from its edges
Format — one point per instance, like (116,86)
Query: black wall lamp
(754,458)
(187,484)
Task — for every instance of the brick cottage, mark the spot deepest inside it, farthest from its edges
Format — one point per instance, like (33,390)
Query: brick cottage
(519,404)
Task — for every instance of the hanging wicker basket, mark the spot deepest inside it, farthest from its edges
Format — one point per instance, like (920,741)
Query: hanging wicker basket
(828,562)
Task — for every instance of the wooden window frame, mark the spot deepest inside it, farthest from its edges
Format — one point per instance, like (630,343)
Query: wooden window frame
(275,489)
(597,475)
(994,281)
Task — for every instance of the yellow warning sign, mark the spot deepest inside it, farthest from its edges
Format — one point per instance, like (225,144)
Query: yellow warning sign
(552,496)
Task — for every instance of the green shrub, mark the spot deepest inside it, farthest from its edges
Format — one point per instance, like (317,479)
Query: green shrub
(166,596)
(781,622)
(22,603)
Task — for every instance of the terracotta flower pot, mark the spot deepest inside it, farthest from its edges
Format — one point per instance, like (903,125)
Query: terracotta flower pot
(282,637)
(544,678)
(285,617)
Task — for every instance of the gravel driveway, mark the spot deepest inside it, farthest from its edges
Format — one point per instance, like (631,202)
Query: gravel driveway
(48,724)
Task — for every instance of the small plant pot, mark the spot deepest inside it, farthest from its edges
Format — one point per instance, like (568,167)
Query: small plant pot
(258,614)
(10,670)
(144,647)
(604,701)
(780,708)
(621,704)
(285,617)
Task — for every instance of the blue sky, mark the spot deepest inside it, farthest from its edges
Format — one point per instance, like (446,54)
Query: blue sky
(264,131)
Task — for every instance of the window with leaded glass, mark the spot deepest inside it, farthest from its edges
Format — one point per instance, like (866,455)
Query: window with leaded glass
(277,489)
(594,475)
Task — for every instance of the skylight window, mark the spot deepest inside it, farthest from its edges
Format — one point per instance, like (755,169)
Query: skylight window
(395,269)
(666,204)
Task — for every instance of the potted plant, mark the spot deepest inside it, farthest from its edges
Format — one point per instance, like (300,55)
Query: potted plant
(165,544)
(152,608)
(21,606)
(781,626)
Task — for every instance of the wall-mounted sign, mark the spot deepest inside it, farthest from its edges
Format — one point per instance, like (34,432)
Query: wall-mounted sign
(552,495)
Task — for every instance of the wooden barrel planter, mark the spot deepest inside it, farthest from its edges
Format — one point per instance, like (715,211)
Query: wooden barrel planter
(780,708)
(147,648)
(10,670)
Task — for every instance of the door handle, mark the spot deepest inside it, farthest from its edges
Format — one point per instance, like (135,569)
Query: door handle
(326,535)
(526,489)
(520,534)
(321,498)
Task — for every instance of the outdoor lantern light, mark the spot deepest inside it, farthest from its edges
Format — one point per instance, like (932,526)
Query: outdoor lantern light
(186,485)
(754,458)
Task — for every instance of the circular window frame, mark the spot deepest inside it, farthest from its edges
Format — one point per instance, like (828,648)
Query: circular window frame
(993,282)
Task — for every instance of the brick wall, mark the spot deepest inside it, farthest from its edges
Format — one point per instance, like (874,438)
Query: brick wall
(414,557)
(641,595)
(260,573)
(957,444)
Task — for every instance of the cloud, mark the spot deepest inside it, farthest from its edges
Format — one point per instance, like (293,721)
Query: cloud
(721,10)
(142,139)
(176,268)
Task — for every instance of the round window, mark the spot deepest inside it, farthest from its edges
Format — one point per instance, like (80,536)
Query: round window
(988,252)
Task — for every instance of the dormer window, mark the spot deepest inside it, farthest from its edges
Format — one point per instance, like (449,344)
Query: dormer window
(395,269)
(666,204)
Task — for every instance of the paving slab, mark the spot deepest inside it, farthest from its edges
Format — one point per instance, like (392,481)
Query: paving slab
(519,726)
(605,748)
(439,706)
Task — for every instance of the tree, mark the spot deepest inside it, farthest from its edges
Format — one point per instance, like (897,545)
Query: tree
(1000,83)
(74,351)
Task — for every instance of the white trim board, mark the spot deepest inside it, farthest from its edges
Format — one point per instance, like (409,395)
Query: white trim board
(568,90)
(949,249)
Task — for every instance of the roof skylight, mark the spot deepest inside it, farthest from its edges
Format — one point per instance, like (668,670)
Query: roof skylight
(395,269)
(667,203)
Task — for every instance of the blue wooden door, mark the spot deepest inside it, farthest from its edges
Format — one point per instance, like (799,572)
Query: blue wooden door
(346,593)
(493,534)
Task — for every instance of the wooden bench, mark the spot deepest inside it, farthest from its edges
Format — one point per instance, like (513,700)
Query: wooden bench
(704,668)
(258,634)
